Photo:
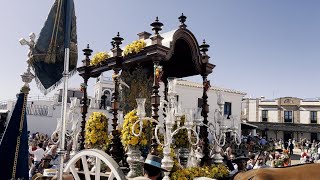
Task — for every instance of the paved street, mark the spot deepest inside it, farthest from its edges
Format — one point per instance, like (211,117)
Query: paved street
(295,158)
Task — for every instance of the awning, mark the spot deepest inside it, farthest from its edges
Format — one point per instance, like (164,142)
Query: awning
(245,125)
(293,127)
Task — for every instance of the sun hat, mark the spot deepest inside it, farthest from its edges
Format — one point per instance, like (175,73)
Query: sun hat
(279,150)
(239,158)
(50,172)
(154,161)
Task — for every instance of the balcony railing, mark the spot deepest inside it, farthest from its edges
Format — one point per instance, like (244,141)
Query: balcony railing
(313,121)
(37,110)
(288,120)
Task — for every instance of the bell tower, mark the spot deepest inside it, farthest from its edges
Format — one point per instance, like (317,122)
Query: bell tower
(104,85)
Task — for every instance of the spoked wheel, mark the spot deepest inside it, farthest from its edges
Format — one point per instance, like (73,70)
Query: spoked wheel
(114,170)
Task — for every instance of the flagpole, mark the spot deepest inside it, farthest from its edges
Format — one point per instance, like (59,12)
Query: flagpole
(64,111)
(65,74)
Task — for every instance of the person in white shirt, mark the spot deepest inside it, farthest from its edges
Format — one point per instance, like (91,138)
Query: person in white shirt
(251,162)
(260,163)
(55,157)
(38,153)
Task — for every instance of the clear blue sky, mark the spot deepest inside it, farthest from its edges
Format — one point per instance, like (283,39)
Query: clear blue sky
(269,48)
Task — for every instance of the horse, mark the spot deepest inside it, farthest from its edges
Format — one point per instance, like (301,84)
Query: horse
(295,172)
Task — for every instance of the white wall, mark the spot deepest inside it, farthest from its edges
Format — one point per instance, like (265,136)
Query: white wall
(47,124)
(272,116)
(305,117)
(189,98)
(252,110)
(187,95)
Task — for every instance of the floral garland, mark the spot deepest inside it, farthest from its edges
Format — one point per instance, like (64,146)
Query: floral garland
(281,162)
(99,58)
(127,137)
(134,47)
(212,171)
(96,131)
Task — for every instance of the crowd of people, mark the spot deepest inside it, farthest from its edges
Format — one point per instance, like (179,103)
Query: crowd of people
(260,153)
(42,154)
(310,151)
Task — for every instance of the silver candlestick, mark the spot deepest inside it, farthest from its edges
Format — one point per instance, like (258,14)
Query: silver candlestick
(173,113)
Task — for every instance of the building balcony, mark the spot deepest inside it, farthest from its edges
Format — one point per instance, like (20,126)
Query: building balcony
(37,110)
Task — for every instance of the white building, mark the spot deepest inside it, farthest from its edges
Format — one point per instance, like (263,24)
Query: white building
(190,94)
(285,117)
(42,114)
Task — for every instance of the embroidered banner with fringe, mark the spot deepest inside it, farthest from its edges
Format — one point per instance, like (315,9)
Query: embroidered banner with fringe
(47,56)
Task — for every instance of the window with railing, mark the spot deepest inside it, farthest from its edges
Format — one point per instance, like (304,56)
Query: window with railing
(37,110)
(313,117)
(288,117)
(264,115)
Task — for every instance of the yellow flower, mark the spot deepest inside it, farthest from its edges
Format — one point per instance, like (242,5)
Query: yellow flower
(127,137)
(98,58)
(212,171)
(144,142)
(96,130)
(134,48)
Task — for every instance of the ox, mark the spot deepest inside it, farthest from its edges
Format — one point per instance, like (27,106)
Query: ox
(298,172)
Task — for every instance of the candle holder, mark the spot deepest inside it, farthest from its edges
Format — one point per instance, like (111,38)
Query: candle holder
(172,110)
(173,113)
(141,114)
(222,124)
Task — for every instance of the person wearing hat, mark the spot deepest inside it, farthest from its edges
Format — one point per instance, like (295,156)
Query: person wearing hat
(251,162)
(241,163)
(260,162)
(44,164)
(152,168)
(55,156)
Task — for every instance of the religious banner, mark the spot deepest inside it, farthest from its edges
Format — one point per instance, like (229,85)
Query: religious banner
(14,144)
(48,54)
